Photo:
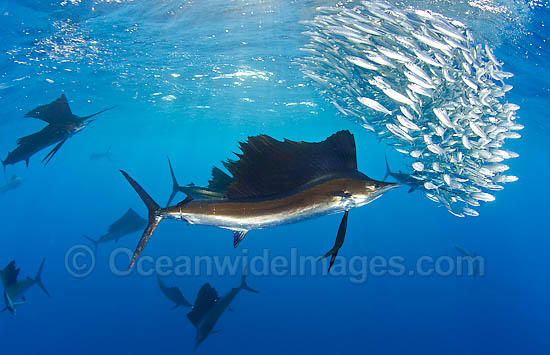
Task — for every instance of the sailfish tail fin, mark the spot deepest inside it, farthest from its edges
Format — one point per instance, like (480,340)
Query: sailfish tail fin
(94,242)
(155,216)
(244,285)
(175,185)
(388,171)
(38,278)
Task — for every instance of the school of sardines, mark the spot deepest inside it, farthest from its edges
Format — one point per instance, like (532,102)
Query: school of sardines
(420,82)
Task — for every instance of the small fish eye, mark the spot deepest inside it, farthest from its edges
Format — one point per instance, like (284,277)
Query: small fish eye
(376,185)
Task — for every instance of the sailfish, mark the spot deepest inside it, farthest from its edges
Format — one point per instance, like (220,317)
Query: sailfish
(209,307)
(129,223)
(273,183)
(15,289)
(62,124)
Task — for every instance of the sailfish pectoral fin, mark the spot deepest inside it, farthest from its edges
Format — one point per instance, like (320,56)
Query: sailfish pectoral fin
(50,155)
(339,241)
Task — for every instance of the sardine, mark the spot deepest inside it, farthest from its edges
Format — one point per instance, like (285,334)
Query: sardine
(375,105)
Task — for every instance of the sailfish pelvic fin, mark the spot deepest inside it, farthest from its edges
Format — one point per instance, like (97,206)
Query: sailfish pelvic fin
(238,236)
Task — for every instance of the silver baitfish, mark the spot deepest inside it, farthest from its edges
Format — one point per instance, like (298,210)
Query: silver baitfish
(423,85)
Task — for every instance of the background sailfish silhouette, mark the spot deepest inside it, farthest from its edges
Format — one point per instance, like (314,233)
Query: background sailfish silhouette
(15,289)
(62,124)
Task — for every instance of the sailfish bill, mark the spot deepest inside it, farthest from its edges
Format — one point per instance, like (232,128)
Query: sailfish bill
(273,183)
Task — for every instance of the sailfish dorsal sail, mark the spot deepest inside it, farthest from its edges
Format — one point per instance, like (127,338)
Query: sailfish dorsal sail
(56,112)
(268,167)
(10,274)
(130,218)
(206,299)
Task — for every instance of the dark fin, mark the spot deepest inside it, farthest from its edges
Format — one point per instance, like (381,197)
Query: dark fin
(38,278)
(268,167)
(161,284)
(4,165)
(97,113)
(175,186)
(388,171)
(238,237)
(206,299)
(411,189)
(339,240)
(95,243)
(27,162)
(11,273)
(199,193)
(155,216)
(50,155)
(26,139)
(56,112)
(220,181)
(187,199)
(130,218)
(244,285)
(462,251)
(40,138)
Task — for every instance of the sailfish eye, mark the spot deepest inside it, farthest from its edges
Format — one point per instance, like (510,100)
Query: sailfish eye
(376,185)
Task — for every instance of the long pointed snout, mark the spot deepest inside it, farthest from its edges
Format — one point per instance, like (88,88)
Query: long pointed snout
(381,187)
(87,118)
(387,186)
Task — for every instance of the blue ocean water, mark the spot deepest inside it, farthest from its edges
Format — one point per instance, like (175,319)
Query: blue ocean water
(191,79)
